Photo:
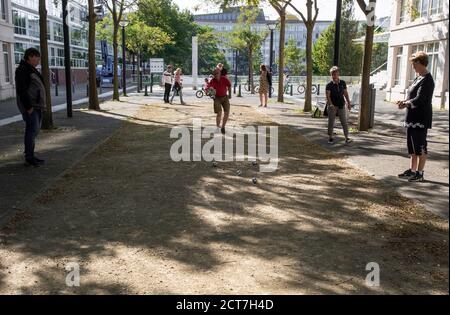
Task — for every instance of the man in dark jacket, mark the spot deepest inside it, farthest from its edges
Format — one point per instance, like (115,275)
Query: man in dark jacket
(30,95)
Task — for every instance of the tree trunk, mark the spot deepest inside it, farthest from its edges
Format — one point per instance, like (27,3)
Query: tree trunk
(364,111)
(47,122)
(116,61)
(281,55)
(309,69)
(250,71)
(93,97)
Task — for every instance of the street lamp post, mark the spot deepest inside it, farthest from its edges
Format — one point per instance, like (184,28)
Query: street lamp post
(235,70)
(124,23)
(271,27)
(67,58)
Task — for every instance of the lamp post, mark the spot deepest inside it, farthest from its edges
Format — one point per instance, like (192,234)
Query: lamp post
(271,27)
(123,23)
(235,70)
(337,33)
(67,61)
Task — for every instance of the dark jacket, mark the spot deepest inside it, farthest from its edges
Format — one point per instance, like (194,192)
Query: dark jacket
(420,95)
(30,90)
(269,78)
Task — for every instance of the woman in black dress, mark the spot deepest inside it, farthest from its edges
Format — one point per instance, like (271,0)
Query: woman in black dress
(419,116)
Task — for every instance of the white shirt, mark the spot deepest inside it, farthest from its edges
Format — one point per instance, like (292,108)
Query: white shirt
(167,77)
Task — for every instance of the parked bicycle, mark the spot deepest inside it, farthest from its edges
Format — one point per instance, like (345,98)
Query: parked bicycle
(302,88)
(203,92)
(272,89)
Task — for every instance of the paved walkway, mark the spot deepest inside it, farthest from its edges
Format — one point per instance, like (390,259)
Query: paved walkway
(382,151)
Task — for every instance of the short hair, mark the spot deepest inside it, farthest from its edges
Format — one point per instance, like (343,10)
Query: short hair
(420,57)
(31,52)
(334,69)
(224,72)
(263,68)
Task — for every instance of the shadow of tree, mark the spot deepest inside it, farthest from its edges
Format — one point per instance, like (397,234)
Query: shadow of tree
(310,227)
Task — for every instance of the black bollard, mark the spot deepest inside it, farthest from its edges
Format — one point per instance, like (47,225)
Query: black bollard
(56,89)
(87,90)
(146,92)
(318,89)
(240,91)
(292,90)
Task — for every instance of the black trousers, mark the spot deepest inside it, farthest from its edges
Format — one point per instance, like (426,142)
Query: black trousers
(167,87)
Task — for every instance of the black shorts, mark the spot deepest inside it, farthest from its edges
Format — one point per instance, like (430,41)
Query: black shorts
(417,140)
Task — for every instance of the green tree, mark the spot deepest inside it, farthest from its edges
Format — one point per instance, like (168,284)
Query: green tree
(294,58)
(141,37)
(179,25)
(117,8)
(209,53)
(246,39)
(350,52)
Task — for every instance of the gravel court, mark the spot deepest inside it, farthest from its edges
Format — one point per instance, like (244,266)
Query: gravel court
(139,223)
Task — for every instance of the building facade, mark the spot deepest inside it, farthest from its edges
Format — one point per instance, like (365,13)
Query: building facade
(224,22)
(418,25)
(25,17)
(7,48)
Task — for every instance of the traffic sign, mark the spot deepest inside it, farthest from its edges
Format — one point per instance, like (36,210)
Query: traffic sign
(156,65)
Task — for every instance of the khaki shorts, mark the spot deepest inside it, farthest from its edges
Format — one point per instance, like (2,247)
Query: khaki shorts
(220,102)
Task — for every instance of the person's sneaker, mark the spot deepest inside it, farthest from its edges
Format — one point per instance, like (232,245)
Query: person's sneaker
(407,174)
(222,130)
(416,178)
(331,141)
(40,161)
(31,162)
(348,141)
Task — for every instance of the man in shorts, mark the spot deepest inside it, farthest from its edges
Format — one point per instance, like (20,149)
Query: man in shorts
(222,99)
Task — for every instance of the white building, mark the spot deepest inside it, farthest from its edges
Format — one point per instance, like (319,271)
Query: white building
(418,25)
(6,46)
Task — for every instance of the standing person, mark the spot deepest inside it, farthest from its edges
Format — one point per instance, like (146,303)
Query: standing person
(31,101)
(177,86)
(168,81)
(419,116)
(286,80)
(337,95)
(264,85)
(221,100)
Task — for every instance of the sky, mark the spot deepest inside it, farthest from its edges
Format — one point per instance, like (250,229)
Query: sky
(327,8)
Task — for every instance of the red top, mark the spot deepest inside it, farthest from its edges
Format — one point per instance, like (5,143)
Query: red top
(221,86)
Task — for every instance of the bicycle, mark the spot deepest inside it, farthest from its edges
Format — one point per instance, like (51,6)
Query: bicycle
(203,92)
(272,89)
(302,88)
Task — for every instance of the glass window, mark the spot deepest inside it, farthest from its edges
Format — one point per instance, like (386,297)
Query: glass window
(58,32)
(33,25)
(432,50)
(3,9)
(6,62)
(398,66)
(19,50)
(20,22)
(403,10)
